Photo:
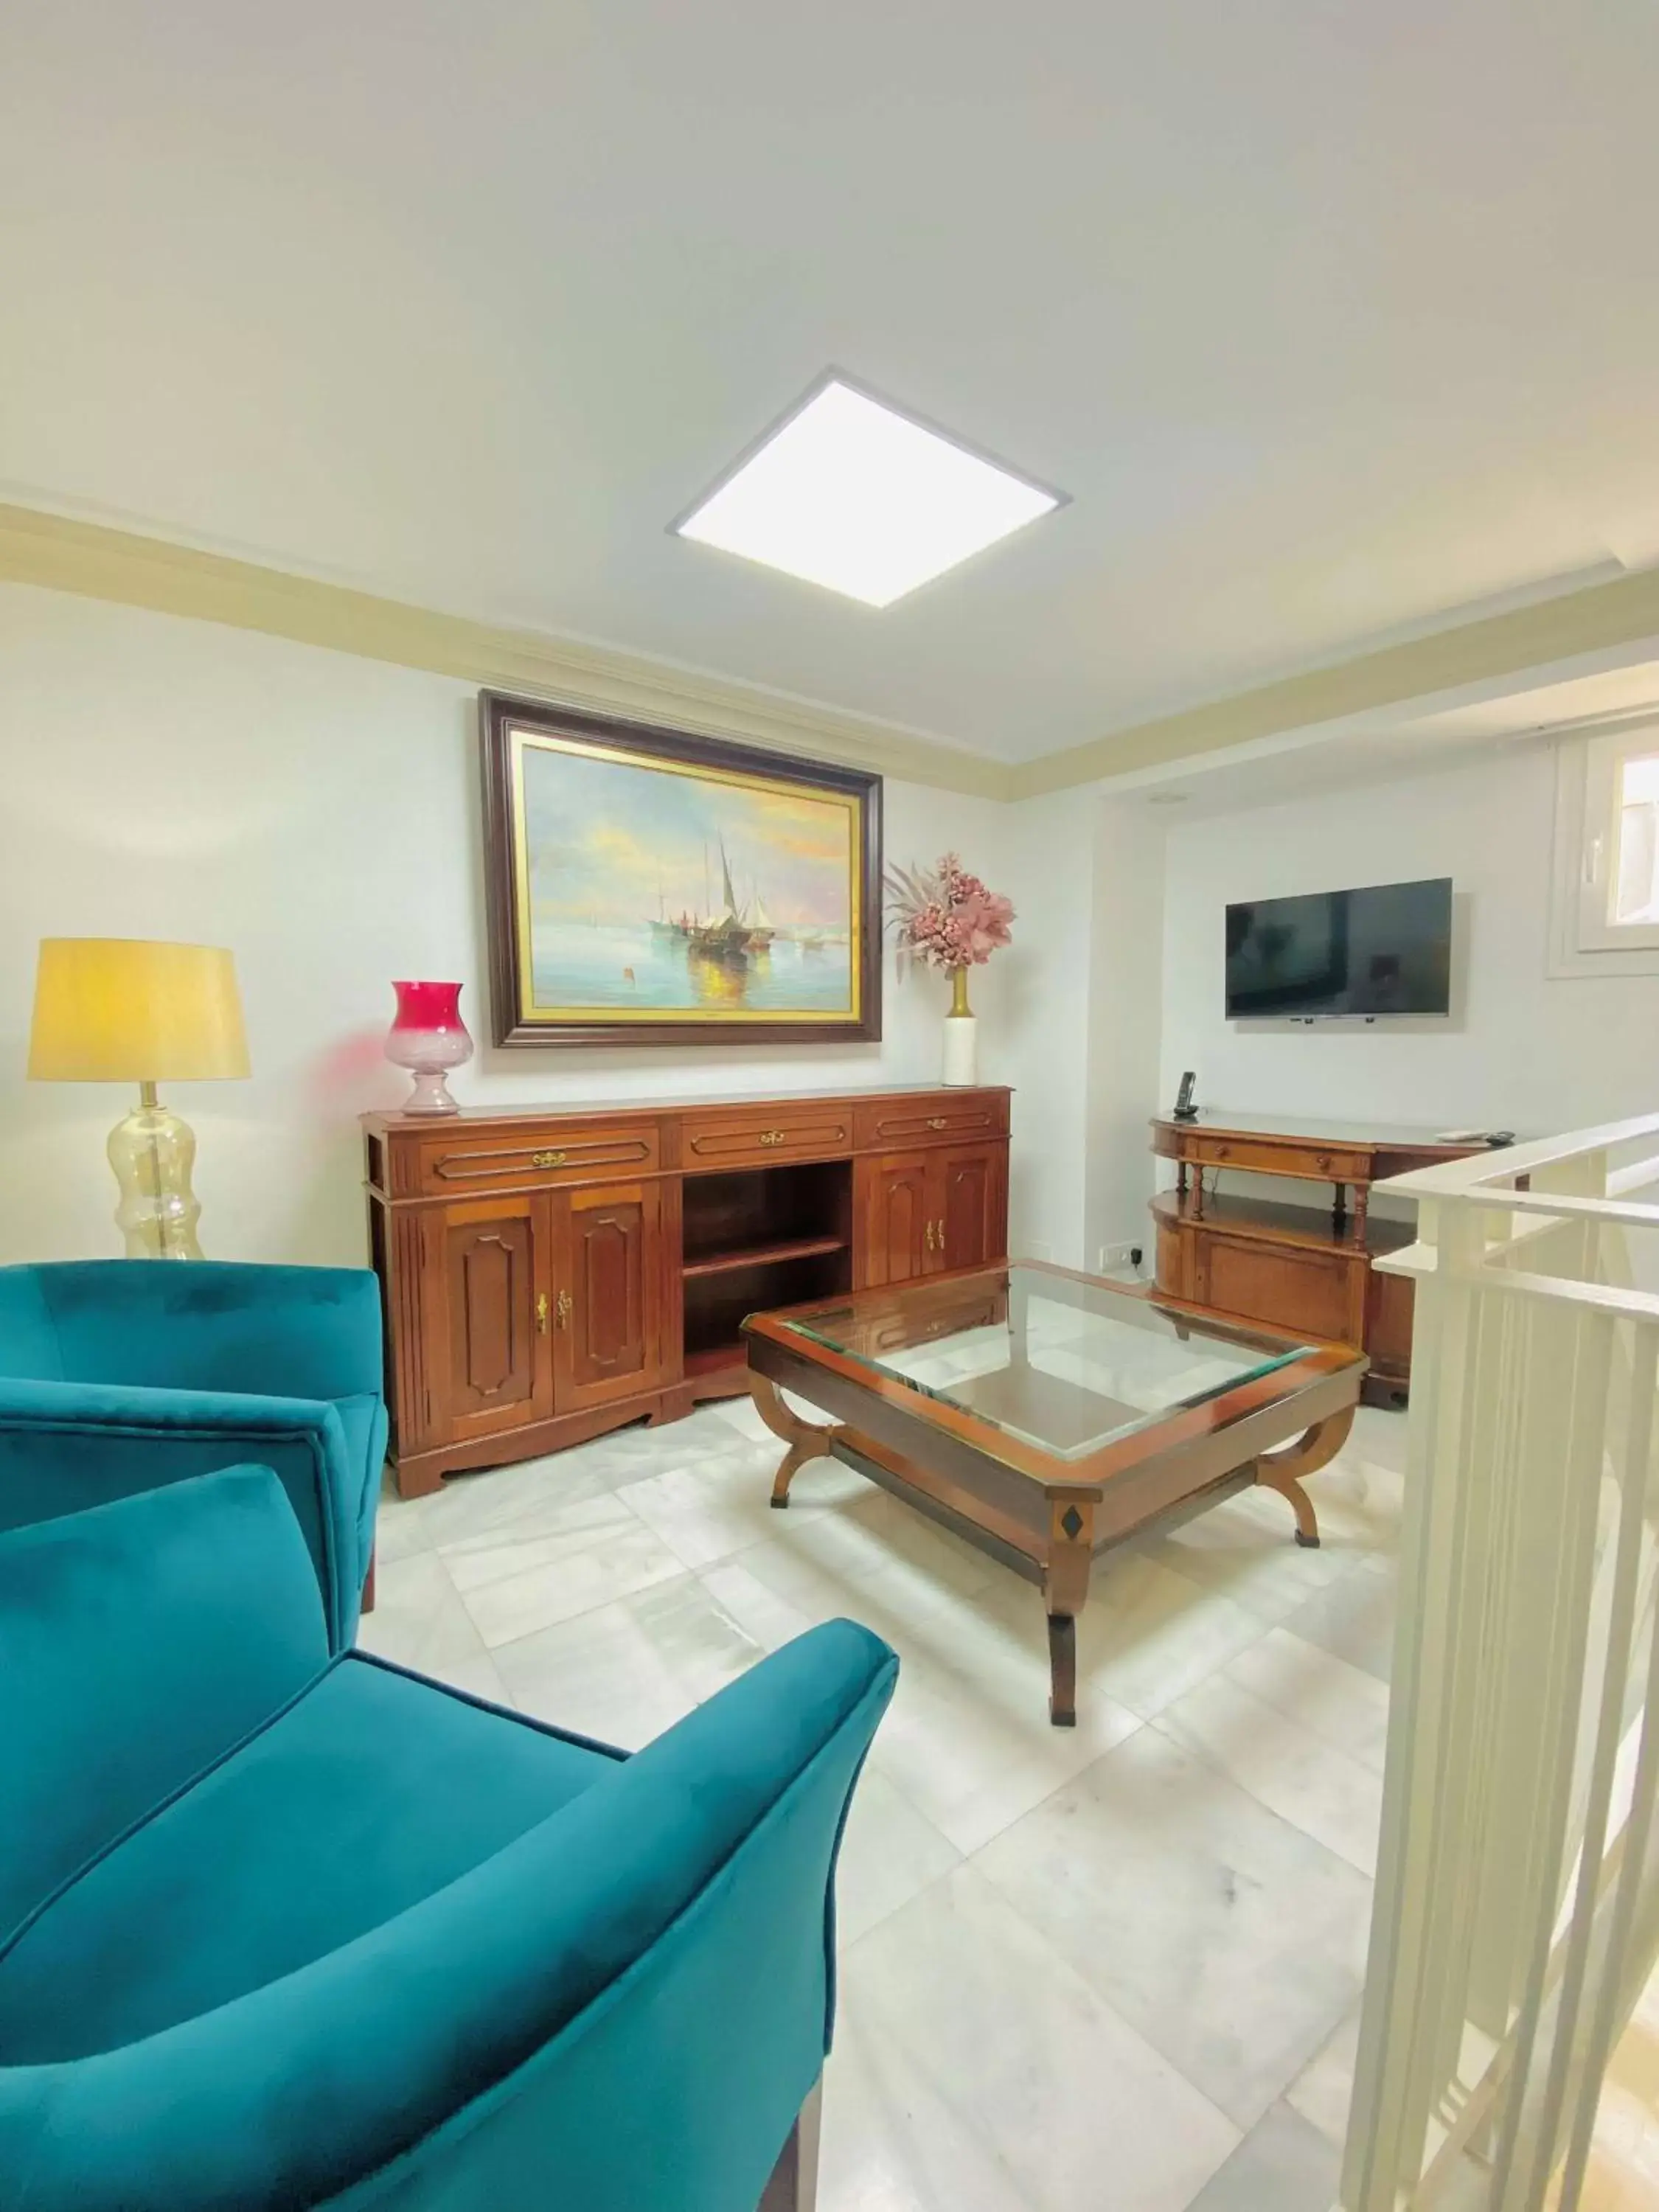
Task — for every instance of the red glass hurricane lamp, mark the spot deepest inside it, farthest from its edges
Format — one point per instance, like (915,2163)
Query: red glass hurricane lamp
(428,1037)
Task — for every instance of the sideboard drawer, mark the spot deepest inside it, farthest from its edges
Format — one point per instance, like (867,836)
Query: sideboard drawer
(1263,1157)
(722,1137)
(909,1121)
(479,1159)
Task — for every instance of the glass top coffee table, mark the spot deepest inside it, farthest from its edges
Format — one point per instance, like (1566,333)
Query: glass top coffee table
(1045,1416)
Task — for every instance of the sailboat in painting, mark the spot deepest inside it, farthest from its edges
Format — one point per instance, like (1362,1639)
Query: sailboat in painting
(736,934)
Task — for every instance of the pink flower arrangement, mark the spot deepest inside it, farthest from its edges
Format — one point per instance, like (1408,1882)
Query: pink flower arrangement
(946,917)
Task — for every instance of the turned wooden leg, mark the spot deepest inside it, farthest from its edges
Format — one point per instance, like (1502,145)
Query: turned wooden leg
(805,1439)
(1283,1470)
(794,2183)
(1065,1588)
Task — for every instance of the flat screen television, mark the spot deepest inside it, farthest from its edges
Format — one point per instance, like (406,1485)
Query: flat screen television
(1382,949)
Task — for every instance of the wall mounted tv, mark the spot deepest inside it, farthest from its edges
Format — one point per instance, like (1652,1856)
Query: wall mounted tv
(1382,949)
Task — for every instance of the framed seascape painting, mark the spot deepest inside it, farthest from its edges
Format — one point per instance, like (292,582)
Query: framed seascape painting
(650,887)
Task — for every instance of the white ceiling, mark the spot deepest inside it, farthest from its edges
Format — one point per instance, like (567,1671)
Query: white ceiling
(1333,321)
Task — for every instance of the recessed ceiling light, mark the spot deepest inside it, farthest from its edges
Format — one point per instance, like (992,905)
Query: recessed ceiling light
(849,492)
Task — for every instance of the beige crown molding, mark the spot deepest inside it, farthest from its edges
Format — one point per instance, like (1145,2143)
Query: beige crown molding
(1599,618)
(96,562)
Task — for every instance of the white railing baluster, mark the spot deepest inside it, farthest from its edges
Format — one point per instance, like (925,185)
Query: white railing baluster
(1568,2068)
(1516,1916)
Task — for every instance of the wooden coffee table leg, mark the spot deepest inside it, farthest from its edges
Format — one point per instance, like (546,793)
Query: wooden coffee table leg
(1065,1588)
(1062,1669)
(805,1439)
(1283,1470)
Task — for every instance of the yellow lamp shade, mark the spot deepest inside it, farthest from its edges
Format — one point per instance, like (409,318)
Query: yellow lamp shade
(131,1010)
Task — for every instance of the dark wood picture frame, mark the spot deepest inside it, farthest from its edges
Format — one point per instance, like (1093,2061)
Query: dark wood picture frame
(500,715)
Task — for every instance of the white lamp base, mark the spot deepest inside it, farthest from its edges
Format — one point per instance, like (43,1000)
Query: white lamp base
(152,1152)
(961,1049)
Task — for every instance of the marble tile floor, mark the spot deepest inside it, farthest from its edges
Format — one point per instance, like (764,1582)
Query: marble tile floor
(1115,1967)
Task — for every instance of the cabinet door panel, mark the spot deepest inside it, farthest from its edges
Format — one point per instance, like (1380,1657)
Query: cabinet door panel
(1313,1292)
(497,1374)
(969,1207)
(898,1222)
(608,1301)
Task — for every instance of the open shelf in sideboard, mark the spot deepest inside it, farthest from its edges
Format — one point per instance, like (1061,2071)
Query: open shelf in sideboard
(1277,1221)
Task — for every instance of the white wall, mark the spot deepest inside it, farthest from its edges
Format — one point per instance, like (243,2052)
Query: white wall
(1047,851)
(1520,1051)
(1125,1019)
(1080,1021)
(320,814)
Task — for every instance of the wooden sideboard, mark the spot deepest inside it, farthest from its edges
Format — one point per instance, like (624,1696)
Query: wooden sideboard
(549,1274)
(1296,1266)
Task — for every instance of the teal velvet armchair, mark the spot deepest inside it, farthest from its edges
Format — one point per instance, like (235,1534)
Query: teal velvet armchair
(116,1375)
(279,1929)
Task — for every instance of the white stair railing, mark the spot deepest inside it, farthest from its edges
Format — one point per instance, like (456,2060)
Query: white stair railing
(1517,1917)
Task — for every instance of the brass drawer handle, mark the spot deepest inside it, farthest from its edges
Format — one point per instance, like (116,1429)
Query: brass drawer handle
(541,1313)
(941,1233)
(937,1122)
(565,1307)
(547,1160)
(771,1136)
(930,1236)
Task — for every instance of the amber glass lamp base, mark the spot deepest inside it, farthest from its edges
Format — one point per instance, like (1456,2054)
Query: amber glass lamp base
(152,1152)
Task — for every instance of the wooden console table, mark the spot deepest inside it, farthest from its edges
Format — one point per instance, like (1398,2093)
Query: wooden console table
(549,1274)
(1296,1265)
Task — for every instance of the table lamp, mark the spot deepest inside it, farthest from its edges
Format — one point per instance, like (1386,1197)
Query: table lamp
(125,1010)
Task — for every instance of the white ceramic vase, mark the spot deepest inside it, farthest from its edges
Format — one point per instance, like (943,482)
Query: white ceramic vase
(960,1034)
(961,1049)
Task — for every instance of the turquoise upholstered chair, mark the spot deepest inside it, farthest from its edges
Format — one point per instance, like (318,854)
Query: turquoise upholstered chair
(283,1929)
(119,1375)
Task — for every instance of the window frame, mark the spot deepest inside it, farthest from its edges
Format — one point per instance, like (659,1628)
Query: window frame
(1589,780)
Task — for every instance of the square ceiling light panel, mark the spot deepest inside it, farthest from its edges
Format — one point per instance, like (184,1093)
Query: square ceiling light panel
(849,492)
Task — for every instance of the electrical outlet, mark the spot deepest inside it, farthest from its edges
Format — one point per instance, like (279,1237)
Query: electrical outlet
(1114,1258)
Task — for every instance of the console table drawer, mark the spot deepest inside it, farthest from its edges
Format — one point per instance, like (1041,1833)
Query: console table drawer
(918,1122)
(1265,1157)
(481,1161)
(759,1136)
